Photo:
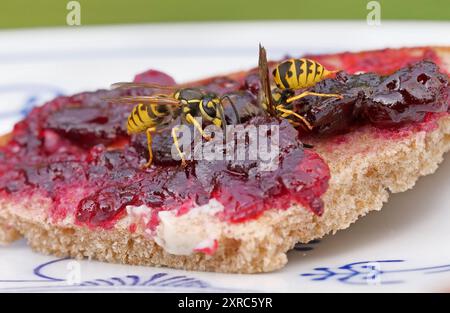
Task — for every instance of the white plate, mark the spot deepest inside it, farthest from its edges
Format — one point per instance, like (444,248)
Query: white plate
(401,248)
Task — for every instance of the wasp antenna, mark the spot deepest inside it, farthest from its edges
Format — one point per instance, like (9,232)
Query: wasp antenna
(236,113)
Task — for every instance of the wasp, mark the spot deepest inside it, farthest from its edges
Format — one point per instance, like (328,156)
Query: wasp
(289,76)
(152,113)
(299,73)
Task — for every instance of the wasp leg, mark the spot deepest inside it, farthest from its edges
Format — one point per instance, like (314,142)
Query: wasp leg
(191,120)
(288,112)
(149,146)
(177,145)
(309,93)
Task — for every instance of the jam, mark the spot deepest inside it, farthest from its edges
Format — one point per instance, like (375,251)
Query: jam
(153,76)
(393,100)
(382,62)
(100,182)
(75,150)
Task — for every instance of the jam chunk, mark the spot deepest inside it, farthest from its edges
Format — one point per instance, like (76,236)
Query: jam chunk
(407,95)
(385,101)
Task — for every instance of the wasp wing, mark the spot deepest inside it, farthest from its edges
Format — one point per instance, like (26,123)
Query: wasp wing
(265,81)
(145,99)
(129,85)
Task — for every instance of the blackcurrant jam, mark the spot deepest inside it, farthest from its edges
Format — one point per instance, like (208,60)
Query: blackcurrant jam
(75,150)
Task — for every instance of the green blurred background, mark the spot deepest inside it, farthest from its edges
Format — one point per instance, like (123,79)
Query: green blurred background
(37,13)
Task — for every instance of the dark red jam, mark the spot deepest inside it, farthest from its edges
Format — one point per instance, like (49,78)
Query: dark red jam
(100,182)
(154,76)
(404,96)
(75,150)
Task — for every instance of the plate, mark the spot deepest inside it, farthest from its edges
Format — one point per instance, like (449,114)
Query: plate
(401,248)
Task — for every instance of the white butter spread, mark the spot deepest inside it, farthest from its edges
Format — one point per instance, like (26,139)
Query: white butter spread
(197,229)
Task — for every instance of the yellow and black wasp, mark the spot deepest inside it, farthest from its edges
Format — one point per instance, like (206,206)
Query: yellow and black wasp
(289,76)
(299,73)
(152,113)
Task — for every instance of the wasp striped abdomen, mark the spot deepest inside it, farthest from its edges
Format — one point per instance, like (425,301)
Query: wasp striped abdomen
(146,116)
(299,73)
(290,76)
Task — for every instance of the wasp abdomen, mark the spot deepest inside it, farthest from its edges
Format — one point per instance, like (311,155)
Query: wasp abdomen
(145,116)
(299,73)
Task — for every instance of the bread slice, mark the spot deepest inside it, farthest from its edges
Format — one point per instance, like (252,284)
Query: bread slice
(366,166)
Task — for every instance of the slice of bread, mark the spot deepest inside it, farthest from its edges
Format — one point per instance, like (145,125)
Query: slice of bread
(366,166)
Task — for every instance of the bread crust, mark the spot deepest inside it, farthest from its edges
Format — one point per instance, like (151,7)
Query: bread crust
(365,169)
